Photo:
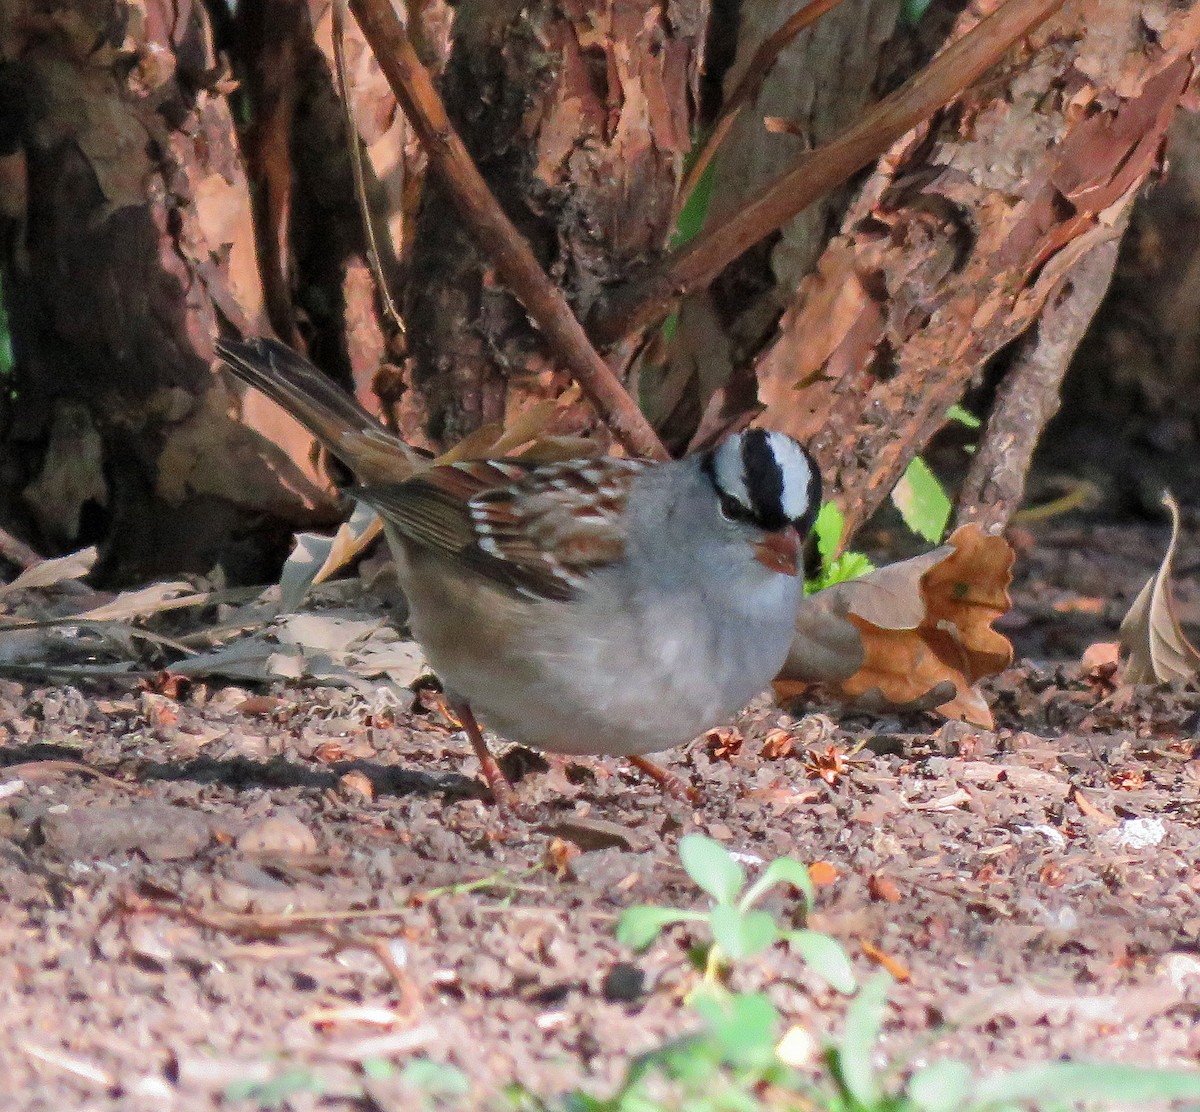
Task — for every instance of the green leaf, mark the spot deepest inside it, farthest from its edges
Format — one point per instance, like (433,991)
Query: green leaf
(1080,1081)
(712,867)
(744,1024)
(435,1079)
(828,529)
(826,957)
(639,926)
(912,10)
(922,501)
(941,1086)
(864,1019)
(783,870)
(695,209)
(378,1069)
(742,934)
(849,565)
(963,417)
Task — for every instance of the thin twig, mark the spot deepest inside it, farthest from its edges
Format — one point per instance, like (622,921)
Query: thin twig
(495,233)
(747,89)
(357,155)
(1028,396)
(816,172)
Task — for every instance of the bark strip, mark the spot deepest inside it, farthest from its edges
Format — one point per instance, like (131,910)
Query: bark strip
(496,234)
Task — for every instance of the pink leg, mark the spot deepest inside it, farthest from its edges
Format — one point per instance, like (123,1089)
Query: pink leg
(493,775)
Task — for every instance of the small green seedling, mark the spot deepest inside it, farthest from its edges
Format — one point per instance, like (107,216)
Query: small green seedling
(963,416)
(835,568)
(739,930)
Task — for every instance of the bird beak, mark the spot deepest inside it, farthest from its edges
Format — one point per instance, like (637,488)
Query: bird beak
(780,551)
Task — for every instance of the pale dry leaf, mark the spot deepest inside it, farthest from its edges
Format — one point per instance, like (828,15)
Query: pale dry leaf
(1158,650)
(332,632)
(317,556)
(914,634)
(137,604)
(49,573)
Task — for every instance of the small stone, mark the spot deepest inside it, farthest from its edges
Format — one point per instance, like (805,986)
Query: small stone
(623,983)
(356,785)
(284,834)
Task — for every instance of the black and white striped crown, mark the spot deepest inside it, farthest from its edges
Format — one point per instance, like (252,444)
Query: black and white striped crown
(766,479)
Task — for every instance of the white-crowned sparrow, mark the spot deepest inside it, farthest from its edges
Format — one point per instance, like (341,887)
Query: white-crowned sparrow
(592,606)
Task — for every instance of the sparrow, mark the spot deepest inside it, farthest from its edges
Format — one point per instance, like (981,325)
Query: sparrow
(591,606)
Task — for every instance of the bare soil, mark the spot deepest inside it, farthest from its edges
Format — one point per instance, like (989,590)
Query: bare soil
(211,886)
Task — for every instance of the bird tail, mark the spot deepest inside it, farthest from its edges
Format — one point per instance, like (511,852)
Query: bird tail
(332,415)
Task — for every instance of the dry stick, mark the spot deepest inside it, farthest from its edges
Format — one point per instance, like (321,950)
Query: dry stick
(495,233)
(357,155)
(747,89)
(1029,394)
(818,171)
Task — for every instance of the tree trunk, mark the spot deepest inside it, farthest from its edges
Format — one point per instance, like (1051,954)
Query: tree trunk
(966,230)
(578,114)
(127,240)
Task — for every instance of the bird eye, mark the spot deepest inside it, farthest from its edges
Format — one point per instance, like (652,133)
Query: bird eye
(733,510)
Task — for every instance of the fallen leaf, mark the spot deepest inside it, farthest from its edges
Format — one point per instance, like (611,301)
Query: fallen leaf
(49,573)
(911,632)
(893,965)
(823,873)
(1150,632)
(883,888)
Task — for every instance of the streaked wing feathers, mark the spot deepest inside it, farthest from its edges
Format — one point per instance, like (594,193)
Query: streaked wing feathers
(537,530)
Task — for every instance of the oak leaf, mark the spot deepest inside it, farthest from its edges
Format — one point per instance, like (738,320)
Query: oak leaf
(915,634)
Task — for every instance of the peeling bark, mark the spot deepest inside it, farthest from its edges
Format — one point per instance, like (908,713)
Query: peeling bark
(820,83)
(966,230)
(578,115)
(132,241)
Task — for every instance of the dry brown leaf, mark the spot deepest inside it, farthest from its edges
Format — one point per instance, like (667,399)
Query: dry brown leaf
(1150,632)
(910,632)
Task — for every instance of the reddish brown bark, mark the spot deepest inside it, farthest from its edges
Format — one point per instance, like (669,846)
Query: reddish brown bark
(131,244)
(578,116)
(964,233)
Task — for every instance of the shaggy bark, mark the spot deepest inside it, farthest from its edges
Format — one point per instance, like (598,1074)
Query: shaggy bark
(967,229)
(127,240)
(578,116)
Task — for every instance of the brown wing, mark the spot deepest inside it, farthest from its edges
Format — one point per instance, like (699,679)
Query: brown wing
(537,530)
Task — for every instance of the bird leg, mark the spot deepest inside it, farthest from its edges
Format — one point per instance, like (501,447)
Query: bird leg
(493,775)
(665,779)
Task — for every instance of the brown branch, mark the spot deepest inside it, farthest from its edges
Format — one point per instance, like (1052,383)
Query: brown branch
(747,89)
(818,171)
(1029,395)
(495,233)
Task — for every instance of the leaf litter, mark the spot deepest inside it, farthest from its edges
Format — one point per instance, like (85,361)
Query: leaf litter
(239,880)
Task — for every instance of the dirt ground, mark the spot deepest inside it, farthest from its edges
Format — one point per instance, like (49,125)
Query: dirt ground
(214,887)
